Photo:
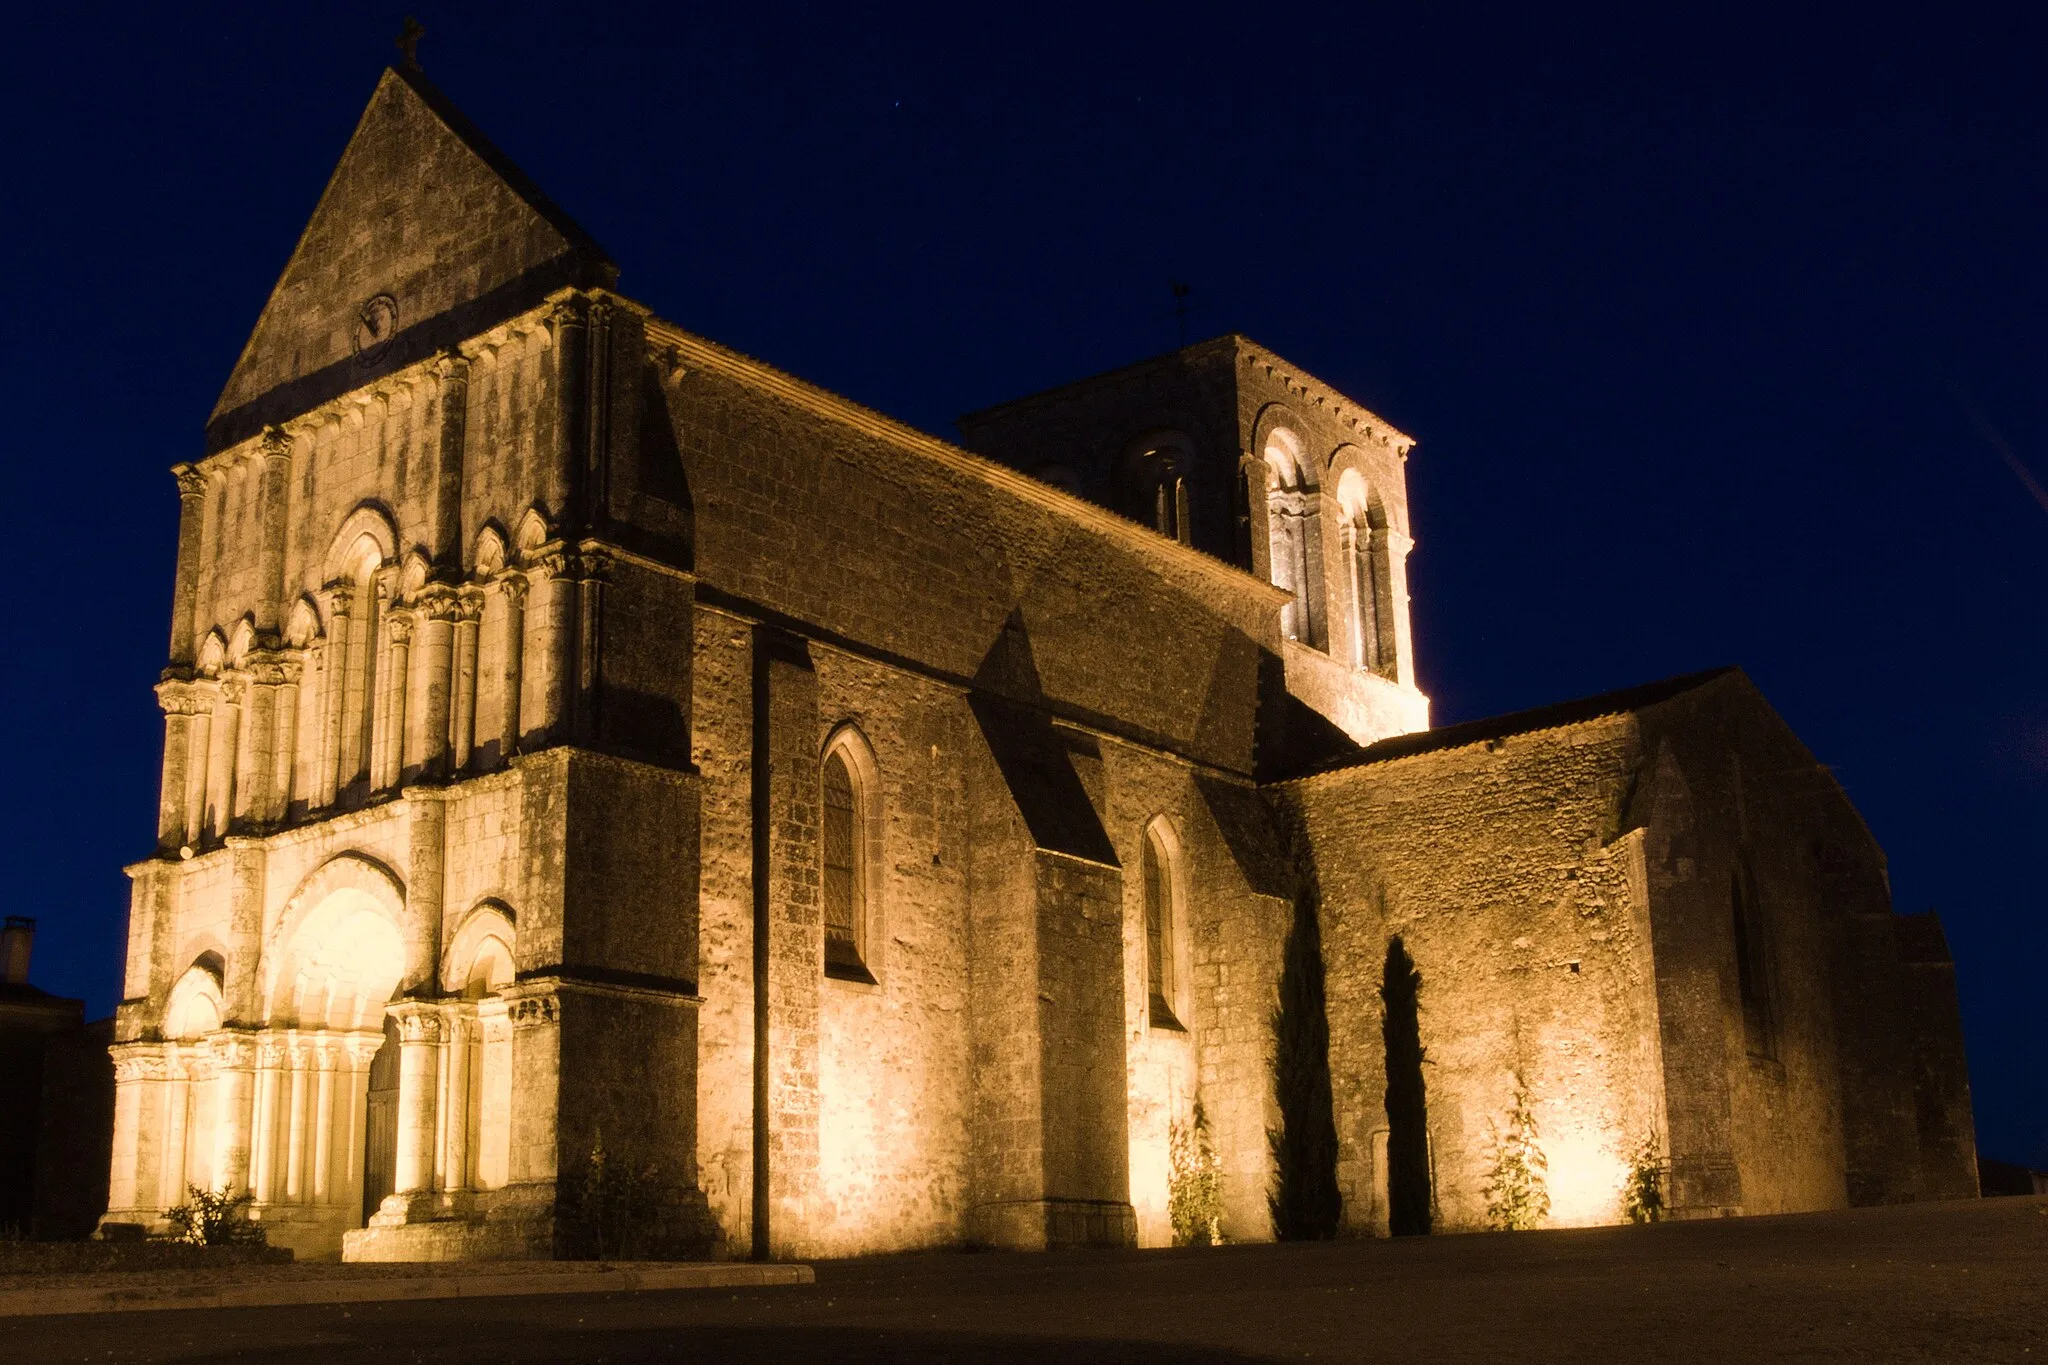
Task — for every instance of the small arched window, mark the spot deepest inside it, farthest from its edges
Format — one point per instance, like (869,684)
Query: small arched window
(1162,929)
(850,862)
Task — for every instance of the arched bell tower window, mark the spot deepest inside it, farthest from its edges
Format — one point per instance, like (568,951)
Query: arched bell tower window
(1294,537)
(850,857)
(1362,549)
(1156,470)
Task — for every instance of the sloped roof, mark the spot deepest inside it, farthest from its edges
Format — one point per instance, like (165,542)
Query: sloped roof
(1525,722)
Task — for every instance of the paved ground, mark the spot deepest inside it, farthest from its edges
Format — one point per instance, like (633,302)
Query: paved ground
(1953,1282)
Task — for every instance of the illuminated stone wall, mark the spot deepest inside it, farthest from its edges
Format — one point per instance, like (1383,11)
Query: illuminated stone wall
(1565,886)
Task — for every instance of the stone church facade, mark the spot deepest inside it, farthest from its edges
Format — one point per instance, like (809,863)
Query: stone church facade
(581,738)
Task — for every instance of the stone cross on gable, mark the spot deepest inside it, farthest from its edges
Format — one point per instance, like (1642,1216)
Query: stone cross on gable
(408,41)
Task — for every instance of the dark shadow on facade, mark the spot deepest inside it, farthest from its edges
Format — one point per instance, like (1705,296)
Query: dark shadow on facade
(1408,1193)
(1305,1202)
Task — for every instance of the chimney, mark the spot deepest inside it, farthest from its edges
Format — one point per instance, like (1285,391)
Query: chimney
(16,939)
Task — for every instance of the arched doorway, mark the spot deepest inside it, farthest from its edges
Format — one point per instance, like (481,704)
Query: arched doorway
(333,964)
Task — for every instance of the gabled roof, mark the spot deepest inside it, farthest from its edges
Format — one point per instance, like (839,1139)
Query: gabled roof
(425,229)
(1525,722)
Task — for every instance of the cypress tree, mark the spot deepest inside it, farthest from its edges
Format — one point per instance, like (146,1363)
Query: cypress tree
(1304,1201)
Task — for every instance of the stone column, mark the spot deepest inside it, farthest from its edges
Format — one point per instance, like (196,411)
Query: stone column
(587,655)
(1398,662)
(233,1089)
(263,1144)
(204,696)
(284,747)
(453,1165)
(225,755)
(323,1060)
(254,733)
(177,1089)
(274,492)
(361,1048)
(462,720)
(434,682)
(512,655)
(294,1119)
(185,594)
(549,652)
(389,724)
(419,1068)
(333,684)
(175,698)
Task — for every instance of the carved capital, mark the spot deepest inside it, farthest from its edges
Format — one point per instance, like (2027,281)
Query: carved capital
(234,688)
(275,445)
(191,481)
(176,697)
(438,602)
(232,1051)
(513,585)
(398,627)
(341,597)
(533,1010)
(419,1023)
(139,1062)
(272,1052)
(570,310)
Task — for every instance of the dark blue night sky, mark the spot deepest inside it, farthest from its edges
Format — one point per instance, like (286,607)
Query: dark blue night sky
(1710,326)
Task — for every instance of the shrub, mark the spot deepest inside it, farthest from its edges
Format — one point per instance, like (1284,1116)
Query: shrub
(1516,1194)
(1194,1196)
(1642,1195)
(613,1203)
(215,1218)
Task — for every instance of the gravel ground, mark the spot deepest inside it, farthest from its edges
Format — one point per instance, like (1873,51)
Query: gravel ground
(1939,1282)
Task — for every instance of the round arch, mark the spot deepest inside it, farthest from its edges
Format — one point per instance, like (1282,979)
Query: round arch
(195,1007)
(338,951)
(482,951)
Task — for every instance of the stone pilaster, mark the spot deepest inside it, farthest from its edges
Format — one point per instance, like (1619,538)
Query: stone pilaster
(451,372)
(185,592)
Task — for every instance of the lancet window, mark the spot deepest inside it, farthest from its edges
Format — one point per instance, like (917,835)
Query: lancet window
(850,862)
(1163,920)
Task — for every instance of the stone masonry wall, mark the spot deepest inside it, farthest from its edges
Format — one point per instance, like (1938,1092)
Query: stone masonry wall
(1504,870)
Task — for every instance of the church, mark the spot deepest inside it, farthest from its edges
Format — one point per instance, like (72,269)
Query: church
(617,794)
